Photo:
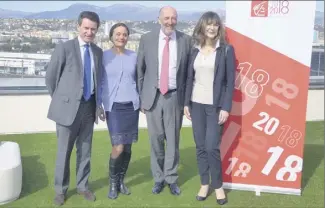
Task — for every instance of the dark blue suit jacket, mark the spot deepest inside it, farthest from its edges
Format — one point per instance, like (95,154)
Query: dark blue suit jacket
(224,77)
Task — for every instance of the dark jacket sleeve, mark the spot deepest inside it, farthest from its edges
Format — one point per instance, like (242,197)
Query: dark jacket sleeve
(101,78)
(230,79)
(54,68)
(190,77)
(140,65)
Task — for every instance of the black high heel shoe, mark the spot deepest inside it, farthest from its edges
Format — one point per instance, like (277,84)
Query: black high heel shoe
(222,201)
(200,198)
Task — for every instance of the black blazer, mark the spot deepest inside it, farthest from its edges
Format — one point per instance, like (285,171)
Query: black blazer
(224,77)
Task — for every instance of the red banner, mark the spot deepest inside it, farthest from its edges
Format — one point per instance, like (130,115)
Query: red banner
(263,141)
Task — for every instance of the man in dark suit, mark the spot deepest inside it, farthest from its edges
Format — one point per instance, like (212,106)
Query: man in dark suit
(162,71)
(72,76)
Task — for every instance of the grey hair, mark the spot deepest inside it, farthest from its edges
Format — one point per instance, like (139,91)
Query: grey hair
(199,30)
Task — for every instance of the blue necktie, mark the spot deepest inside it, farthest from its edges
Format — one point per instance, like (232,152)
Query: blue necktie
(87,74)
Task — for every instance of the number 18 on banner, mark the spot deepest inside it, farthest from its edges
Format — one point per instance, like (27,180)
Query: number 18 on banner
(262,143)
(263,140)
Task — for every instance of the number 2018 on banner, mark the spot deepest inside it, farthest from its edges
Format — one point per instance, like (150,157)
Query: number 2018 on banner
(254,89)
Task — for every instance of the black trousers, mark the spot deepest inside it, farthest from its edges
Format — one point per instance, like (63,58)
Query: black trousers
(207,135)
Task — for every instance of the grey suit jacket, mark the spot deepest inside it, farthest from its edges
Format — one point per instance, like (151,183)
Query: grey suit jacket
(224,77)
(147,67)
(64,80)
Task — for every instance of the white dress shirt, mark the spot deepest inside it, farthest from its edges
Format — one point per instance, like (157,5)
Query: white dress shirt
(172,58)
(82,52)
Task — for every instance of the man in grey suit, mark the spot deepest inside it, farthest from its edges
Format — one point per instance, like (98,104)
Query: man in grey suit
(71,78)
(161,74)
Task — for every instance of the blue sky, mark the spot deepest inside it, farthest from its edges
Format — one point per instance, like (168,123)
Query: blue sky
(38,6)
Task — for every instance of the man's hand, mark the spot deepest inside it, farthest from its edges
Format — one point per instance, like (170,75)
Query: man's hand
(187,112)
(223,116)
(100,113)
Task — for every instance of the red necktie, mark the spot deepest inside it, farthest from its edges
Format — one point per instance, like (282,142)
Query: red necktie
(164,74)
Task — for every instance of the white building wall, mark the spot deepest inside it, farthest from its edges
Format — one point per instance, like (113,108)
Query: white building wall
(25,55)
(28,113)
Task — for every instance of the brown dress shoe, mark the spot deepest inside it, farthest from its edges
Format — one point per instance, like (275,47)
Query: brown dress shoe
(88,195)
(59,199)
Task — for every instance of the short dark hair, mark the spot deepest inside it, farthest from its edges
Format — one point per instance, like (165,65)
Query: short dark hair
(118,25)
(89,15)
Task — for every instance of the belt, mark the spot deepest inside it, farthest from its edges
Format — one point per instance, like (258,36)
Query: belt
(169,91)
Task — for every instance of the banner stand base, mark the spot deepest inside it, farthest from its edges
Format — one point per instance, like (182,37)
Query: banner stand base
(259,189)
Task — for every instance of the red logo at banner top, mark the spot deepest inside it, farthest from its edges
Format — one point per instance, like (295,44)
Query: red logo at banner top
(259,8)
(269,8)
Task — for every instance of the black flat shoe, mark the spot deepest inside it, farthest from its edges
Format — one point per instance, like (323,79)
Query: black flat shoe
(174,189)
(222,201)
(158,187)
(200,198)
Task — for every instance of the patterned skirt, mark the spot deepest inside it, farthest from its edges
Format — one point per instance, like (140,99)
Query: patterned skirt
(122,122)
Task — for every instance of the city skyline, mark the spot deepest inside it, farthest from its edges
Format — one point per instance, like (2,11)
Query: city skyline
(40,6)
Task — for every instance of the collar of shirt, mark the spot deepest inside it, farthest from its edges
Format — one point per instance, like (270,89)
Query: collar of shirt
(215,48)
(172,36)
(81,42)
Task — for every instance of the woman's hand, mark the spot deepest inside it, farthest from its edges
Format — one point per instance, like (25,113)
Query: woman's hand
(187,112)
(100,113)
(223,116)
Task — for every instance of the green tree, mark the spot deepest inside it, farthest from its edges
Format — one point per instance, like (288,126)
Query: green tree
(26,49)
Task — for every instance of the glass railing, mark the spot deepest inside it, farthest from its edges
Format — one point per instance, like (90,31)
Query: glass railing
(13,81)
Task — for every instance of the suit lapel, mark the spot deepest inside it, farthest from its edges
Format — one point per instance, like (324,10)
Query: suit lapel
(95,64)
(93,48)
(78,57)
(155,50)
(194,55)
(217,60)
(179,49)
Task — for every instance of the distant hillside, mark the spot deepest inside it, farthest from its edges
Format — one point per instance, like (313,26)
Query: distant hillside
(132,12)
(4,13)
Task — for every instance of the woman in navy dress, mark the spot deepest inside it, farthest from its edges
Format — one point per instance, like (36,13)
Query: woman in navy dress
(121,104)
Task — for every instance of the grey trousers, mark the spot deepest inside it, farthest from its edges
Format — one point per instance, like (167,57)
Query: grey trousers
(164,123)
(81,134)
(207,135)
